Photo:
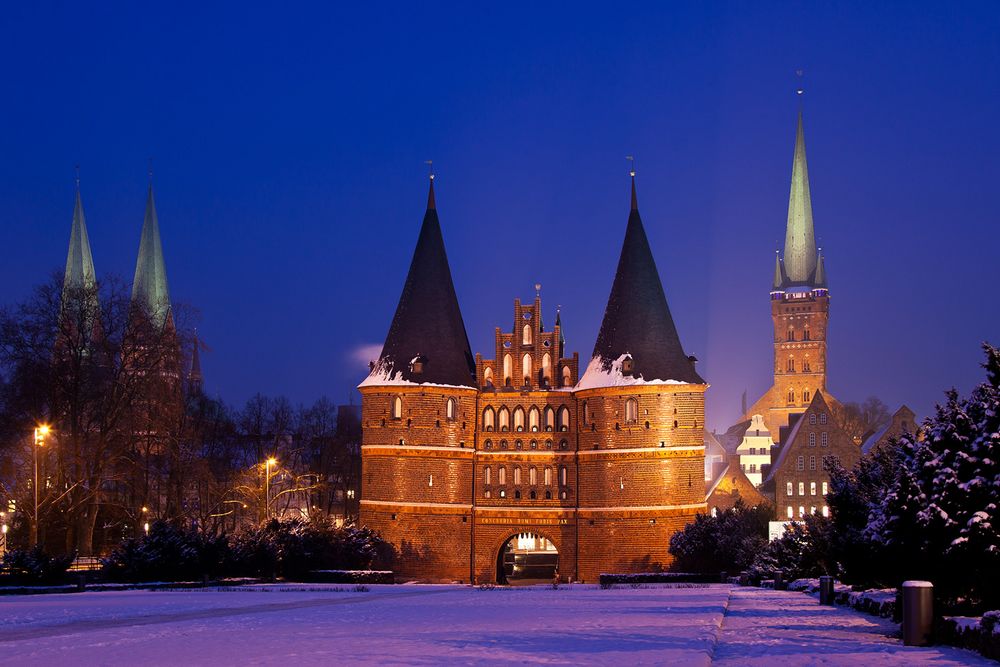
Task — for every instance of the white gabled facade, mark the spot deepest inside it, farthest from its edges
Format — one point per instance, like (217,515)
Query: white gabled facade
(755,450)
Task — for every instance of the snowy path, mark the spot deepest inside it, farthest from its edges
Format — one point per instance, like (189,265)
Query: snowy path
(766,627)
(454,624)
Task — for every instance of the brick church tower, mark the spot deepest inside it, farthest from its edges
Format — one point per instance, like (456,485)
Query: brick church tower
(800,308)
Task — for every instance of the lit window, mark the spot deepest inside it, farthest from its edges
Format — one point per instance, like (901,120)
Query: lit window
(526,334)
(789,488)
(508,369)
(533,419)
(526,368)
(397,408)
(826,511)
(564,418)
(825,491)
(488,376)
(504,419)
(488,419)
(502,475)
(550,419)
(488,494)
(546,368)
(791,512)
(519,419)
(802,487)
(566,376)
(812,488)
(802,511)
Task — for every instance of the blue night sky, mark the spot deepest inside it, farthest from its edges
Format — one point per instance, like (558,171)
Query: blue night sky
(289,143)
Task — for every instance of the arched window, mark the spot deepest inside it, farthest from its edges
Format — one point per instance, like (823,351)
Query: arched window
(449,410)
(550,419)
(791,512)
(397,408)
(805,335)
(508,369)
(805,396)
(517,475)
(562,475)
(791,395)
(532,476)
(488,376)
(791,334)
(488,444)
(504,419)
(812,462)
(586,413)
(564,418)
(812,418)
(805,366)
(519,418)
(789,489)
(526,334)
(563,444)
(502,475)
(812,488)
(487,476)
(824,439)
(533,419)
(547,368)
(489,419)
(631,411)
(548,495)
(566,373)
(791,364)
(548,476)
(802,487)
(526,368)
(812,439)
(533,495)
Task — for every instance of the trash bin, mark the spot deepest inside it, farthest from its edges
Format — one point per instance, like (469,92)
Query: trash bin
(779,581)
(918,612)
(826,590)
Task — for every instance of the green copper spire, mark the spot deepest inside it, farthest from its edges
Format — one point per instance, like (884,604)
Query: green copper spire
(778,278)
(79,261)
(149,288)
(800,238)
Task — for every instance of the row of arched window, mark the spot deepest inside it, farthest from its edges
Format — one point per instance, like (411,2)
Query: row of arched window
(450,408)
(527,371)
(519,445)
(805,396)
(791,335)
(790,365)
(501,479)
(532,420)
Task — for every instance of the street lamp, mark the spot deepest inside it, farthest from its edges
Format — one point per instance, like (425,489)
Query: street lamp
(267,486)
(40,432)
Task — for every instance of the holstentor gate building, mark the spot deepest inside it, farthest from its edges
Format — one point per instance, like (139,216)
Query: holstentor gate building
(462,454)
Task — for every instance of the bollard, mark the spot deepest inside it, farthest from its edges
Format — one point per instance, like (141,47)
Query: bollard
(724,577)
(918,612)
(779,581)
(81,582)
(826,590)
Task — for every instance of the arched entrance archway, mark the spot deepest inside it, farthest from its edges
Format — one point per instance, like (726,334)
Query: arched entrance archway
(525,559)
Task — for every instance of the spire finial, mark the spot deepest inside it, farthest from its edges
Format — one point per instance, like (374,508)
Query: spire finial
(431,205)
(150,172)
(77,170)
(538,290)
(631,173)
(799,89)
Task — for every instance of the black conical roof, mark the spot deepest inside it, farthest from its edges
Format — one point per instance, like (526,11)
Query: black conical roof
(637,320)
(428,322)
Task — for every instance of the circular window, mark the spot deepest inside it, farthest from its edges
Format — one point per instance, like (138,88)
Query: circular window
(526,315)
(506,343)
(546,343)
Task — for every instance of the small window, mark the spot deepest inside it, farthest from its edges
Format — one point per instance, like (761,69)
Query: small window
(563,444)
(487,494)
(631,411)
(789,488)
(562,475)
(800,464)
(450,409)
(825,491)
(564,418)
(532,495)
(517,475)
(548,495)
(812,439)
(488,377)
(812,462)
(397,408)
(805,335)
(503,444)
(812,488)
(487,476)
(489,418)
(802,487)
(791,512)
(518,444)
(586,413)
(791,365)
(824,439)
(548,478)
(802,512)
(566,376)
(791,335)
(430,480)
(826,511)
(822,418)
(502,475)
(628,365)
(812,418)
(805,396)
(526,334)
(532,476)
(488,444)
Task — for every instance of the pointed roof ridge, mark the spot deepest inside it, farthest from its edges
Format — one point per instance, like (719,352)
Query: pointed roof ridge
(431,204)
(779,278)
(800,235)
(637,322)
(635,200)
(150,287)
(79,259)
(427,327)
(820,278)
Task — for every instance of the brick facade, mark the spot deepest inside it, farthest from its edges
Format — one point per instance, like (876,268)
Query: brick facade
(606,474)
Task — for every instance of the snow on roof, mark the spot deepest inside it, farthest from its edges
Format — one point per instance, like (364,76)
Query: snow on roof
(785,446)
(873,439)
(382,376)
(600,373)
(715,482)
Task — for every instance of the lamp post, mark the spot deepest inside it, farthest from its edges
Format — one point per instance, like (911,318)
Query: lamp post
(267,486)
(40,433)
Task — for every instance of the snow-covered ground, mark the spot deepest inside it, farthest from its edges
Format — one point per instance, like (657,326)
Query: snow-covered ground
(432,624)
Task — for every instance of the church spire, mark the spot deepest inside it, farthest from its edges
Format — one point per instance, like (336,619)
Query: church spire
(149,287)
(819,282)
(427,342)
(778,278)
(195,378)
(800,237)
(79,261)
(638,337)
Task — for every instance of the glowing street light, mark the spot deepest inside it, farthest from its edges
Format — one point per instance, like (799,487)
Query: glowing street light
(41,431)
(267,486)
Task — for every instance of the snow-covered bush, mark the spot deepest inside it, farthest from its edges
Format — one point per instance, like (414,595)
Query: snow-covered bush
(803,551)
(941,516)
(294,548)
(727,542)
(168,553)
(35,566)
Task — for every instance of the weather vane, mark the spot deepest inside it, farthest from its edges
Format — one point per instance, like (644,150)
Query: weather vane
(430,167)
(799,90)
(77,169)
(631,169)
(150,171)
(538,289)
